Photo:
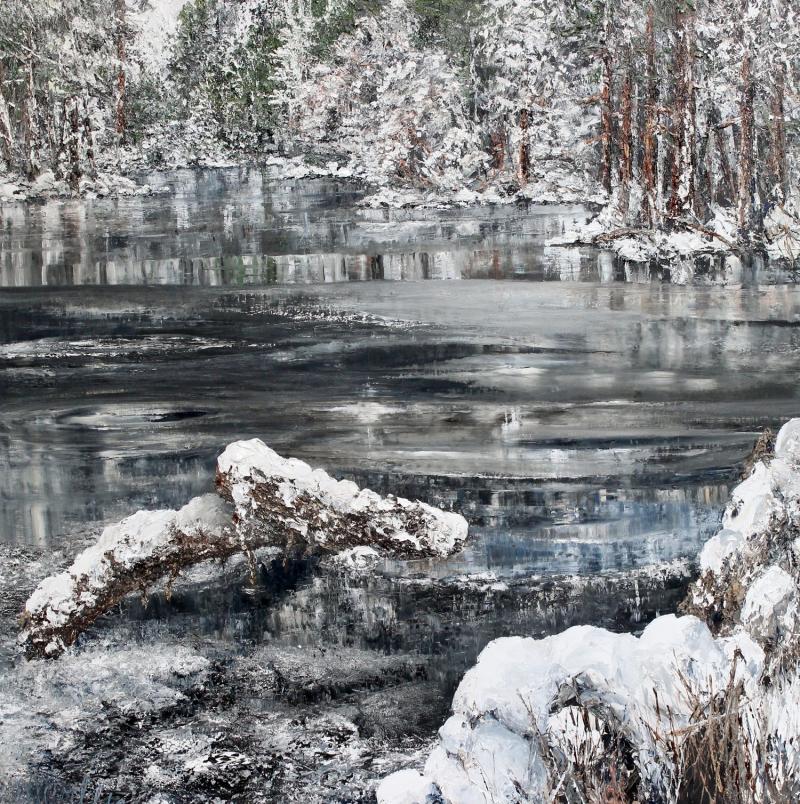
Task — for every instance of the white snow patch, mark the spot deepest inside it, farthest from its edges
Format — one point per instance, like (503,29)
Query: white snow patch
(770,607)
(787,442)
(405,787)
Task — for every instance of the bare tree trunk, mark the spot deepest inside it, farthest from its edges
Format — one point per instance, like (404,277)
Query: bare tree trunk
(30,121)
(725,190)
(121,121)
(679,106)
(690,165)
(524,155)
(778,144)
(746,144)
(88,135)
(626,134)
(498,149)
(607,121)
(6,134)
(704,188)
(73,122)
(649,209)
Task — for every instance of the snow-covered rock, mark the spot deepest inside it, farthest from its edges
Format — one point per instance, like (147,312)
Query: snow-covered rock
(489,750)
(717,549)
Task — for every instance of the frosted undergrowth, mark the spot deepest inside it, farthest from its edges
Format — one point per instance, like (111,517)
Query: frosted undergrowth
(688,239)
(46,706)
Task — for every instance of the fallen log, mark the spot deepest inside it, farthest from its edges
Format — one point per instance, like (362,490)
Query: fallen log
(306,506)
(129,556)
(277,502)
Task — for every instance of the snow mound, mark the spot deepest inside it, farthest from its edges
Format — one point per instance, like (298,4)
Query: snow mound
(406,787)
(523,687)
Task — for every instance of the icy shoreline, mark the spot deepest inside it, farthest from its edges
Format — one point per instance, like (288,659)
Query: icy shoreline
(683,240)
(115,180)
(686,249)
(589,711)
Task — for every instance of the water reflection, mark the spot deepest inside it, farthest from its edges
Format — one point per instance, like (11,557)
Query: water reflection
(239,227)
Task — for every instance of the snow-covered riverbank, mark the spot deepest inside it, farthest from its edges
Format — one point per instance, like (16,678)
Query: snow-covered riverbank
(687,704)
(684,240)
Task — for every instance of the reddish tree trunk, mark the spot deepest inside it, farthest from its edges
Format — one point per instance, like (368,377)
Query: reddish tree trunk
(524,155)
(725,192)
(746,144)
(650,124)
(498,149)
(607,121)
(626,134)
(679,104)
(778,145)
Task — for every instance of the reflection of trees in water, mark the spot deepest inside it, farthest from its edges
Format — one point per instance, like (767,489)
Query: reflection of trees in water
(232,227)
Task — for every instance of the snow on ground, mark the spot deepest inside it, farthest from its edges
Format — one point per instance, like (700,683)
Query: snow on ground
(530,705)
(687,240)
(49,705)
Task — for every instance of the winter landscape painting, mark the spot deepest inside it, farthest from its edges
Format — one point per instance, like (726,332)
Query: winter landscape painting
(399,401)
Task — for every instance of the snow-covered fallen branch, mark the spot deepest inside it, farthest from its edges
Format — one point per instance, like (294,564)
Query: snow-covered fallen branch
(675,714)
(277,502)
(129,556)
(301,505)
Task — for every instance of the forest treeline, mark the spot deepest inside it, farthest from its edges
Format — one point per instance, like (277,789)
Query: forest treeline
(671,110)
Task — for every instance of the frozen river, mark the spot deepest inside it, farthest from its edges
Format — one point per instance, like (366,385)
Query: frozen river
(587,418)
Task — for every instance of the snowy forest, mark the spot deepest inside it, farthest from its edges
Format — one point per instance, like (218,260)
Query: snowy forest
(673,115)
